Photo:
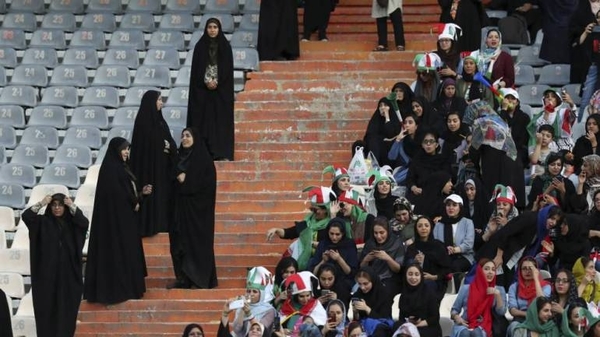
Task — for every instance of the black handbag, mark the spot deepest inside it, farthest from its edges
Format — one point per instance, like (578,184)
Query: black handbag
(383,3)
(499,324)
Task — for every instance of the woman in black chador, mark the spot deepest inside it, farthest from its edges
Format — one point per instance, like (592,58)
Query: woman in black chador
(210,104)
(192,233)
(278,30)
(116,267)
(153,154)
(56,240)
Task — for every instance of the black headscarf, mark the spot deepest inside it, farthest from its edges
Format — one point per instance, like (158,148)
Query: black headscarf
(393,246)
(210,50)
(345,247)
(413,297)
(189,328)
(281,266)
(451,58)
(431,202)
(427,118)
(377,298)
(185,153)
(405,105)
(113,164)
(213,44)
(583,146)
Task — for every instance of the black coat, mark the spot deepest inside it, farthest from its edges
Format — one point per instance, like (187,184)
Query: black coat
(581,54)
(56,269)
(211,111)
(515,235)
(575,244)
(152,163)
(556,15)
(378,130)
(5,316)
(278,30)
(471,17)
(518,130)
(116,266)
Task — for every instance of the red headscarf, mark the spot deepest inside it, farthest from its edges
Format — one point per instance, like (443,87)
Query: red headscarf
(479,303)
(527,291)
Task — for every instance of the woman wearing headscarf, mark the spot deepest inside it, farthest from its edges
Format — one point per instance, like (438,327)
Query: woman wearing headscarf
(589,182)
(435,190)
(403,224)
(285,267)
(404,148)
(447,49)
(538,320)
(372,303)
(560,112)
(340,181)
(278,30)
(384,253)
(469,15)
(380,200)
(301,302)
(256,328)
(448,101)
(584,272)
(574,322)
(56,240)
(564,292)
(193,330)
(552,182)
(332,287)
(192,229)
(404,97)
(577,34)
(210,103)
(467,87)
(384,124)
(153,156)
(423,110)
(588,143)
(418,304)
(336,320)
(393,10)
(116,266)
(496,64)
(594,221)
(259,292)
(454,140)
(476,301)
(476,207)
(504,211)
(359,223)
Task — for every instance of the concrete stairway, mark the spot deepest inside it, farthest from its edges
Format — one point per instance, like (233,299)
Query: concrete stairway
(292,120)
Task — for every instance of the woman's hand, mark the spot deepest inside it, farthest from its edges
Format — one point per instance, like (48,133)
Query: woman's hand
(68,201)
(592,138)
(429,277)
(274,231)
(211,85)
(420,257)
(460,321)
(137,207)
(46,200)
(334,208)
(581,178)
(282,296)
(181,177)
(559,185)
(329,326)
(416,190)
(361,305)
(333,254)
(557,308)
(492,291)
(447,72)
(549,246)
(147,190)
(381,255)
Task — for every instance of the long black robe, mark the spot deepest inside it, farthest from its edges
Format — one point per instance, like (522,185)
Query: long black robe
(116,266)
(5,316)
(556,15)
(192,233)
(581,54)
(153,153)
(211,111)
(56,265)
(437,261)
(518,130)
(471,17)
(378,129)
(418,302)
(278,30)
(316,16)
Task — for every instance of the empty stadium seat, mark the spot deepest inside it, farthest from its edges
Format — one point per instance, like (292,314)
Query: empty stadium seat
(111,6)
(48,115)
(122,56)
(59,20)
(245,59)
(532,94)
(175,116)
(7,219)
(47,57)
(125,116)
(183,77)
(133,96)
(102,96)
(64,174)
(70,6)
(526,108)
(167,39)
(178,96)
(75,154)
(156,76)
(120,131)
(101,154)
(34,155)
(251,6)
(524,74)
(91,38)
(66,96)
(167,57)
(2,155)
(227,23)
(105,22)
(13,38)
(22,174)
(19,95)
(222,6)
(138,21)
(530,55)
(193,40)
(249,22)
(48,38)
(70,75)
(91,177)
(81,56)
(12,115)
(128,38)
(555,74)
(183,6)
(239,80)
(177,21)
(38,192)
(90,116)
(114,76)
(12,195)
(30,74)
(445,308)
(89,136)
(40,135)
(573,90)
(3,81)
(8,57)
(8,136)
(144,6)
(176,133)
(245,39)
(85,195)
(20,20)
(24,319)
(35,6)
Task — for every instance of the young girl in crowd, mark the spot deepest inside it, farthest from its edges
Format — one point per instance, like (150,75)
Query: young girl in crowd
(285,267)
(301,303)
(476,207)
(538,320)
(557,112)
(341,180)
(446,102)
(331,287)
(418,304)
(336,320)
(259,291)
(574,321)
(380,201)
(564,293)
(372,303)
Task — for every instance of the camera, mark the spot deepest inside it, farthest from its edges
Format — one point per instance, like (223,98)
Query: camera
(553,232)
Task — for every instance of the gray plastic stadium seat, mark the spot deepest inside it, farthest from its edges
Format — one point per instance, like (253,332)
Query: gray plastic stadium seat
(133,96)
(2,6)
(244,39)
(3,81)
(122,56)
(12,195)
(156,76)
(120,131)
(555,74)
(176,133)
(47,57)
(526,108)
(70,6)
(78,155)
(168,57)
(177,21)
(227,24)
(30,74)
(188,59)
(91,38)
(60,95)
(8,136)
(81,56)
(48,115)
(75,76)
(34,155)
(128,38)
(61,174)
(12,115)
(573,90)
(40,135)
(111,6)
(251,6)
(183,6)
(115,76)
(90,116)
(22,174)
(89,136)
(138,21)
(101,21)
(125,116)
(532,94)
(19,95)
(102,96)
(2,155)
(25,21)
(178,96)
(59,20)
(245,59)
(524,74)
(101,154)
(35,6)
(222,6)
(530,55)
(239,80)
(249,22)
(167,39)
(183,77)
(143,6)
(8,57)
(175,116)
(48,38)
(14,38)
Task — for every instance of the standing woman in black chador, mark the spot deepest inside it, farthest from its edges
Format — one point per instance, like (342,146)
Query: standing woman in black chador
(56,240)
(316,17)
(192,232)
(153,153)
(278,30)
(5,316)
(116,266)
(210,103)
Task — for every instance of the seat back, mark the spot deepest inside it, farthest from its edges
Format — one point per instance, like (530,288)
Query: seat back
(524,74)
(81,56)
(90,38)
(156,76)
(128,38)
(96,116)
(121,56)
(167,57)
(13,38)
(30,74)
(89,136)
(22,174)
(133,96)
(34,155)
(114,76)
(66,96)
(40,135)
(138,21)
(59,20)
(532,94)
(103,96)
(51,38)
(71,75)
(48,115)
(78,155)
(13,196)
(167,39)
(12,115)
(63,174)
(46,57)
(555,74)
(8,57)
(105,22)
(177,21)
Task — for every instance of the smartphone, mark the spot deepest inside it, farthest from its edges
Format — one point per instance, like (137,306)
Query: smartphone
(276,324)
(331,318)
(237,304)
(354,299)
(325,292)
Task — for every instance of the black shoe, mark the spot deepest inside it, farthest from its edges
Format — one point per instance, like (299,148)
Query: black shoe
(178,285)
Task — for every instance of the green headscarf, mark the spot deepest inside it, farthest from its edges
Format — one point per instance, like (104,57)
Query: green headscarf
(308,235)
(532,323)
(564,326)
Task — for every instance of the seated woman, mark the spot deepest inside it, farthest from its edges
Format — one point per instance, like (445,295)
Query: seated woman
(403,223)
(404,96)
(560,112)
(284,268)
(538,321)
(259,290)
(384,124)
(331,287)
(496,64)
(454,139)
(423,110)
(404,148)
(301,303)
(447,49)
(340,181)
(337,249)
(553,183)
(432,255)
(504,211)
(428,80)
(193,329)
(311,230)
(418,305)
(524,291)
(380,201)
(384,253)
(446,102)
(570,241)
(359,223)
(574,321)
(476,302)
(372,304)
(476,207)
(588,143)
(589,183)
(336,320)
(467,87)
(564,293)
(585,276)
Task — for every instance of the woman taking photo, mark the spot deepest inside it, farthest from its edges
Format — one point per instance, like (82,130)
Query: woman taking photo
(418,305)
(336,320)
(259,291)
